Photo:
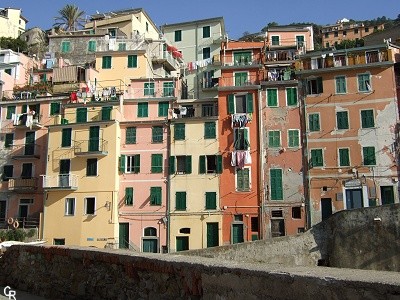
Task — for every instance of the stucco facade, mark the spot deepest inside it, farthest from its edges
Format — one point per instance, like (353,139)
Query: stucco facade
(12,23)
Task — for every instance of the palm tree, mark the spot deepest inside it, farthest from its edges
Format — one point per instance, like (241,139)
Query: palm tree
(70,18)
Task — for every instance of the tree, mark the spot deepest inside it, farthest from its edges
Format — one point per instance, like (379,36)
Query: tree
(70,18)
(16,45)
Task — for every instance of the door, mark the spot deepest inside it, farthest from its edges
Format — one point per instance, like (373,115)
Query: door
(237,233)
(3,205)
(326,208)
(23,211)
(124,235)
(354,198)
(29,143)
(150,245)
(212,235)
(65,168)
(277,227)
(387,195)
(94,141)
(182,243)
(27,171)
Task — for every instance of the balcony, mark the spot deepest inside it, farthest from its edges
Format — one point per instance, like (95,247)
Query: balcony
(169,59)
(22,185)
(240,81)
(60,182)
(91,148)
(156,91)
(247,63)
(27,121)
(25,151)
(281,56)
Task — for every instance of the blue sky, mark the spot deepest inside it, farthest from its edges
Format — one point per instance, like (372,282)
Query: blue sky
(250,16)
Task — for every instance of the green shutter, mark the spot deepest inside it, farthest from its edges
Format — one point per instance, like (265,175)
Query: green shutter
(272,97)
(55,108)
(180,201)
(188,164)
(10,111)
(143,110)
(130,135)
(8,140)
(136,161)
(106,113)
(320,85)
(209,130)
(243,179)
(172,165)
(132,61)
(24,108)
(276,184)
(202,164)
(344,157)
(129,196)
(81,115)
(211,200)
(66,137)
(249,100)
(231,104)
(156,163)
(179,131)
(122,160)
(155,195)
(163,109)
(219,164)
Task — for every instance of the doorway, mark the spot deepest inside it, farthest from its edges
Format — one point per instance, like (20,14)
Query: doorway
(387,195)
(326,208)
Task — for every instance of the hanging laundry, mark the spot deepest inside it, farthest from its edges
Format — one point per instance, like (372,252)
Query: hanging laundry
(29,121)
(240,155)
(247,157)
(233,159)
(183,111)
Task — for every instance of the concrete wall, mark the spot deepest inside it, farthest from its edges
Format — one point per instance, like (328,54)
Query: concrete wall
(65,273)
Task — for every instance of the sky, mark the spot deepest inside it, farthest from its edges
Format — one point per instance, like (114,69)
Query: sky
(250,16)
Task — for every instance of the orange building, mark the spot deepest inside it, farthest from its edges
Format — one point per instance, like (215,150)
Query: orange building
(241,73)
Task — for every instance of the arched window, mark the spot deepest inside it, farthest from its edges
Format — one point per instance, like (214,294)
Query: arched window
(150,231)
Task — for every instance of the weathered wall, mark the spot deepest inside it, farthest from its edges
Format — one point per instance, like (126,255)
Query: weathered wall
(65,273)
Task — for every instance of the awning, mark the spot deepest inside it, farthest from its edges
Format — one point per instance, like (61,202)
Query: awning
(65,74)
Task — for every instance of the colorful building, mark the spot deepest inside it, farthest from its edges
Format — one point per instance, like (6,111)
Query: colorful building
(12,22)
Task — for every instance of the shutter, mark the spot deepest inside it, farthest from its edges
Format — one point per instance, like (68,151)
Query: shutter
(249,102)
(231,104)
(129,195)
(171,164)
(276,184)
(246,141)
(122,160)
(188,164)
(202,164)
(319,84)
(106,113)
(211,200)
(239,178)
(219,164)
(246,179)
(24,108)
(137,163)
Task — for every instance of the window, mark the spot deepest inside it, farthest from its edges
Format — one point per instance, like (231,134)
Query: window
(242,58)
(340,82)
(206,52)
(143,110)
(369,156)
(8,140)
(313,122)
(326,34)
(156,163)
(241,78)
(59,242)
(183,164)
(65,46)
(356,31)
(206,31)
(149,89)
(243,180)
(344,157)
(179,131)
(147,27)
(178,35)
(150,231)
(291,96)
(293,138)
(132,61)
(70,206)
(272,97)
(180,201)
(367,118)
(317,159)
(240,103)
(208,110)
(155,195)
(157,134)
(344,32)
(209,130)
(27,171)
(296,212)
(336,34)
(129,196)
(211,200)
(8,171)
(112,32)
(300,40)
(364,83)
(275,40)
(366,29)
(10,111)
(314,86)
(274,138)
(168,89)
(90,206)
(66,136)
(122,47)
(342,120)
(91,167)
(163,109)
(241,139)
(106,113)
(106,62)
(210,164)
(130,137)
(92,46)
(133,163)
(81,115)
(276,184)
(55,108)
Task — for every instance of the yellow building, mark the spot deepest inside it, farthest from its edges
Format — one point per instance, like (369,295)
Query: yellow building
(12,23)
(81,180)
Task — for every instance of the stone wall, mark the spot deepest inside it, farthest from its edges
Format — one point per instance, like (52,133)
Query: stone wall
(73,273)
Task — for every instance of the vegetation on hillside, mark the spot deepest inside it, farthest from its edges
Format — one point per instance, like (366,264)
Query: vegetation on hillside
(16,45)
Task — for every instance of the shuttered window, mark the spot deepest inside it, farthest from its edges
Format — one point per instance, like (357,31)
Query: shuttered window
(367,118)
(55,108)
(369,156)
(209,130)
(313,122)
(340,84)
(81,115)
(241,139)
(243,179)
(143,110)
(163,109)
(240,104)
(149,89)
(106,62)
(291,96)
(179,131)
(210,164)
(91,167)
(342,120)
(293,138)
(344,157)
(274,138)
(130,137)
(211,200)
(317,159)
(106,113)
(8,140)
(156,163)
(92,46)
(66,137)
(272,97)
(276,184)
(157,134)
(155,195)
(129,196)
(132,61)
(180,198)
(10,111)
(65,46)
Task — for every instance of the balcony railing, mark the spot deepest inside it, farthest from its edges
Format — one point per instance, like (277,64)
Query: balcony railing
(23,121)
(229,61)
(91,147)
(156,92)
(237,81)
(282,55)
(25,151)
(60,182)
(22,184)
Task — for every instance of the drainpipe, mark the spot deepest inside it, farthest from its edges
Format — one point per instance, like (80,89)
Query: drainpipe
(196,58)
(260,168)
(168,186)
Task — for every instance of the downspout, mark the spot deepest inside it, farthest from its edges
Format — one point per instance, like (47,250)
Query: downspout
(196,59)
(260,168)
(168,186)
(45,194)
